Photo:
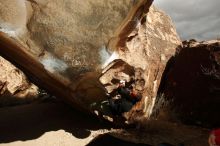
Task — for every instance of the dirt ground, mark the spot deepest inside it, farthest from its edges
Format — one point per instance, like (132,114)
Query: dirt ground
(49,123)
(52,123)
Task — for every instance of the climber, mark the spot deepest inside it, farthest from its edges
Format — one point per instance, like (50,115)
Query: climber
(129,94)
(214,138)
(123,91)
(124,99)
(135,96)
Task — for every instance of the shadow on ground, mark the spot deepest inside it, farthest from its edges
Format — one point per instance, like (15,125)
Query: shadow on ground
(107,140)
(29,122)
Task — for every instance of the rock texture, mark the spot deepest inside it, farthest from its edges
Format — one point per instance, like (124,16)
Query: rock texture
(67,42)
(147,49)
(13,16)
(75,42)
(72,42)
(14,86)
(153,43)
(68,29)
(114,72)
(192,84)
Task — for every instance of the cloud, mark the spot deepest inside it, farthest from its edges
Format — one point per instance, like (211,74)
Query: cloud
(197,19)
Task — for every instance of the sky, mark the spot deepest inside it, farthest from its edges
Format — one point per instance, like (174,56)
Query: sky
(198,19)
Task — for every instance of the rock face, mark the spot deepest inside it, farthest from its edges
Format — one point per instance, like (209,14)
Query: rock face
(72,42)
(72,34)
(76,31)
(13,16)
(68,42)
(192,84)
(147,49)
(14,86)
(114,72)
(153,43)
(76,42)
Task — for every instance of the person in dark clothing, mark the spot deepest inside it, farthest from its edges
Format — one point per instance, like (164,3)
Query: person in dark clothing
(135,96)
(124,92)
(127,98)
(114,106)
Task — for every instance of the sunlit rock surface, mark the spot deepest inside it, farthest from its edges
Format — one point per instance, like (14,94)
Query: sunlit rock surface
(13,16)
(76,43)
(76,32)
(68,29)
(153,43)
(68,42)
(148,48)
(14,86)
(71,38)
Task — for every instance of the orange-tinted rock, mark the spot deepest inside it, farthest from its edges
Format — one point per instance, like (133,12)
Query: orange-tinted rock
(148,48)
(67,40)
(14,86)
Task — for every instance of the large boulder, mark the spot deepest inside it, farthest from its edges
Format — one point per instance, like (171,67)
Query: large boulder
(188,99)
(68,42)
(191,85)
(147,49)
(75,33)
(69,39)
(77,43)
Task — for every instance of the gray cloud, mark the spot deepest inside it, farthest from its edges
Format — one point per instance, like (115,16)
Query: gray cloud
(199,19)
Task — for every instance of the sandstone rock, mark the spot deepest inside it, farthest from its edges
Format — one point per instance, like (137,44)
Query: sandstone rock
(191,85)
(14,86)
(13,16)
(114,72)
(62,41)
(148,48)
(77,31)
(72,42)
(68,29)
